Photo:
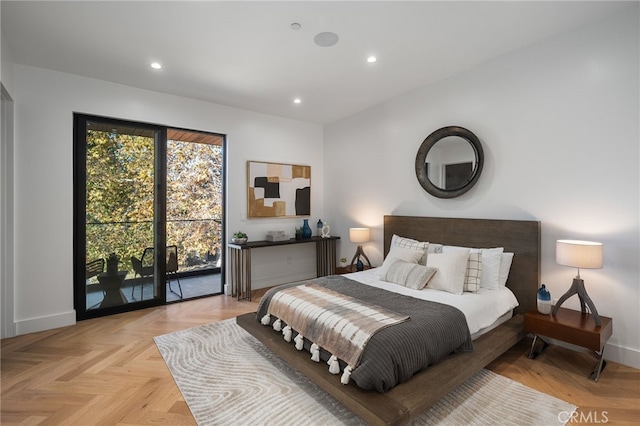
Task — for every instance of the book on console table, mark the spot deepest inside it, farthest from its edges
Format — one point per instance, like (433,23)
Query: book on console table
(277,236)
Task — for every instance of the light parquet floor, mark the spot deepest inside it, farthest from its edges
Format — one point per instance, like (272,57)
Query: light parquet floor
(108,371)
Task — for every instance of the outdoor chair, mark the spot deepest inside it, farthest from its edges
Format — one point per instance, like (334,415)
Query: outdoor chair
(142,267)
(94,268)
(172,268)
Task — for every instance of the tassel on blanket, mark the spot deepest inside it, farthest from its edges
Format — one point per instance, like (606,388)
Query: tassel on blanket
(277,325)
(315,352)
(334,365)
(346,375)
(287,333)
(266,319)
(299,342)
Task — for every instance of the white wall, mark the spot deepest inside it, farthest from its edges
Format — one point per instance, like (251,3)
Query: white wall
(6,192)
(6,66)
(45,102)
(559,123)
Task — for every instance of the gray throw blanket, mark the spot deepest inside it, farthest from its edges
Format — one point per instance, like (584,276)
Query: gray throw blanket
(396,353)
(337,323)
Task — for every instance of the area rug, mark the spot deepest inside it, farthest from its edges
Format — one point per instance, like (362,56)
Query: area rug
(227,377)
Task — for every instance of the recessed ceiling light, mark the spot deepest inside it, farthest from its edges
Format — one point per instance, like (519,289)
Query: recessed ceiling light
(371,59)
(326,39)
(297,101)
(295,26)
(156,65)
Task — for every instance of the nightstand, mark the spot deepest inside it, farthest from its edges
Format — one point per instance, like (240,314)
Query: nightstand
(348,269)
(572,327)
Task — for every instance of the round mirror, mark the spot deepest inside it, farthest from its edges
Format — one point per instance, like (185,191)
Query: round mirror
(449,162)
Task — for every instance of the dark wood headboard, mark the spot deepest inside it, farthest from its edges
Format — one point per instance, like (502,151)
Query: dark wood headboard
(520,237)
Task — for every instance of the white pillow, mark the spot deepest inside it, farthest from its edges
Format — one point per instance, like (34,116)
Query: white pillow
(399,253)
(451,268)
(397,240)
(491,258)
(409,275)
(433,248)
(505,267)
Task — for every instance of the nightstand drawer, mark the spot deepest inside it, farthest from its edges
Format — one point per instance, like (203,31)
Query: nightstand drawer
(571,327)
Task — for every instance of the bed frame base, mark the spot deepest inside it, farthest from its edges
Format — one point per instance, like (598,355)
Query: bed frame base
(407,400)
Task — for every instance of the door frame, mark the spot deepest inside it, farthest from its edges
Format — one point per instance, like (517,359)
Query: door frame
(160,220)
(79,219)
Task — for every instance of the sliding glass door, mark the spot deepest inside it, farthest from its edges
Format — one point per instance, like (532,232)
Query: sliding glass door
(120,209)
(147,216)
(195,182)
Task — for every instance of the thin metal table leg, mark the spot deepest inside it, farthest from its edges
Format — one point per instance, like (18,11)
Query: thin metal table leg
(248,274)
(600,365)
(532,353)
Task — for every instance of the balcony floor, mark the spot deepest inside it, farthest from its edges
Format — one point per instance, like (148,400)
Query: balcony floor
(194,286)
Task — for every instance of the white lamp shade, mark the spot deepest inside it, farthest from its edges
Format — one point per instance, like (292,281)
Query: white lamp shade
(579,254)
(359,235)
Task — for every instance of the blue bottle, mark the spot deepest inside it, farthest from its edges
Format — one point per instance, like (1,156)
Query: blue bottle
(319,227)
(544,300)
(306,229)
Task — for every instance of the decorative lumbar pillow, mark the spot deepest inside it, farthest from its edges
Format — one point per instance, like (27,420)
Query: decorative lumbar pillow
(451,268)
(505,267)
(400,253)
(491,258)
(409,275)
(473,272)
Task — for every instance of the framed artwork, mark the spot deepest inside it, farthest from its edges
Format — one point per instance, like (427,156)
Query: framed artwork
(278,190)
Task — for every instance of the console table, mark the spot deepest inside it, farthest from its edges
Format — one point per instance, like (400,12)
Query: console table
(240,260)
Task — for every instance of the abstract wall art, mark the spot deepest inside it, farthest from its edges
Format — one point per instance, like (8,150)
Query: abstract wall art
(278,190)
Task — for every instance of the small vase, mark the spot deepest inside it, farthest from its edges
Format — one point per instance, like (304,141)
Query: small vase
(306,229)
(319,227)
(359,265)
(544,300)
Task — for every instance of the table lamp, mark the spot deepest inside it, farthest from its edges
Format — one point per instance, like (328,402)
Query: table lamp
(359,236)
(579,254)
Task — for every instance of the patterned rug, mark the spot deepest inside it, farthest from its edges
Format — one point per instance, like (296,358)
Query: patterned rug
(227,377)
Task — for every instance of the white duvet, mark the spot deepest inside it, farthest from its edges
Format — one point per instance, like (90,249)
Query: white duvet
(482,309)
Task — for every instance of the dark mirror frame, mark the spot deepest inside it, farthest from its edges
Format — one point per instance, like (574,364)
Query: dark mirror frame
(429,142)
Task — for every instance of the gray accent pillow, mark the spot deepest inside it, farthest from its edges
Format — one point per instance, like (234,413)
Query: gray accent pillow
(410,275)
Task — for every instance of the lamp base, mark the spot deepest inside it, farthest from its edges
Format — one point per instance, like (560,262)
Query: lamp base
(359,252)
(577,287)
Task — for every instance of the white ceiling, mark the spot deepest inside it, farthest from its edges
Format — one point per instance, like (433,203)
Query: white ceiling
(245,54)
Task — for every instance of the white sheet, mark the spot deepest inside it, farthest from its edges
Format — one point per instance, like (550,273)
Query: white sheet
(482,309)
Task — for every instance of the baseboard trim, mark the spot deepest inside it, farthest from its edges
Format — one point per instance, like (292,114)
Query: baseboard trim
(621,355)
(33,325)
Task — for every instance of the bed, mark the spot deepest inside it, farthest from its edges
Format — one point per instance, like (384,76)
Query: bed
(406,400)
